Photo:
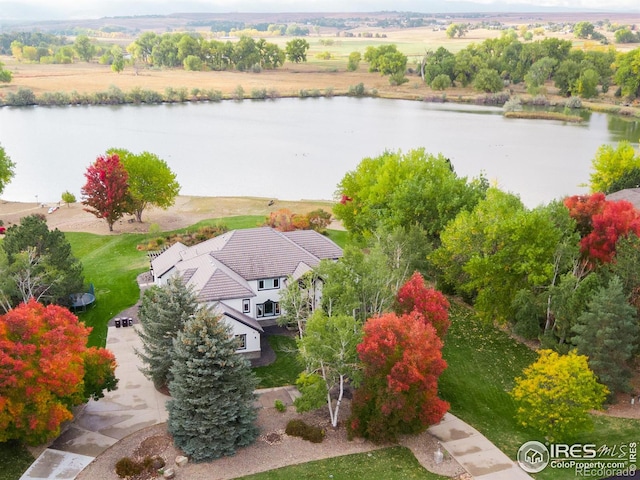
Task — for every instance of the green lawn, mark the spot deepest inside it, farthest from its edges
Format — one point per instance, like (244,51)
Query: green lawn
(285,369)
(396,463)
(14,459)
(483,363)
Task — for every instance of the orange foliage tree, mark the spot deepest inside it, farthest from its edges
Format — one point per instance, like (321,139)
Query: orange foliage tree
(45,370)
(402,361)
(429,303)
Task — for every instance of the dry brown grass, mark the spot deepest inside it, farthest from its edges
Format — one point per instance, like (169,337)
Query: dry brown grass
(289,80)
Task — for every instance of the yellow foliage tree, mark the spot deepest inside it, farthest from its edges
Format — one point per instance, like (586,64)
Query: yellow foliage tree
(611,163)
(555,394)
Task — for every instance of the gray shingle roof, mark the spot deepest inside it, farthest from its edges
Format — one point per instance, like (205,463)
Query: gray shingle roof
(315,243)
(220,286)
(220,268)
(263,253)
(631,195)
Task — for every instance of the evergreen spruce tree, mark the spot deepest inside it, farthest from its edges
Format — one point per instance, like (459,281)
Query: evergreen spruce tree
(163,312)
(212,411)
(607,333)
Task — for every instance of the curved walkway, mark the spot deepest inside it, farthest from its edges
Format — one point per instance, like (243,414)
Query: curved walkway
(136,404)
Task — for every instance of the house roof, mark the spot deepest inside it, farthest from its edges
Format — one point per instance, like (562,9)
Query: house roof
(211,280)
(631,195)
(316,244)
(238,316)
(263,252)
(221,267)
(167,259)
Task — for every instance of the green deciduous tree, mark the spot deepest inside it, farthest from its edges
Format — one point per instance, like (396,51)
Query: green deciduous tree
(328,349)
(584,29)
(47,369)
(297,300)
(40,263)
(7,169)
(488,80)
(212,410)
(611,164)
(627,73)
(496,250)
(5,75)
(402,189)
(359,284)
(106,193)
(151,182)
(539,73)
(386,59)
(84,48)
(68,197)
(163,312)
(556,393)
(354,61)
(607,333)
(296,50)
(457,30)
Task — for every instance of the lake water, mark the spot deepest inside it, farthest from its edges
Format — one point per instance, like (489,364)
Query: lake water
(300,149)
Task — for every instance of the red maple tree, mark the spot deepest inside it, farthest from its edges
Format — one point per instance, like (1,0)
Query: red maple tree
(433,307)
(582,208)
(402,360)
(106,192)
(43,354)
(617,219)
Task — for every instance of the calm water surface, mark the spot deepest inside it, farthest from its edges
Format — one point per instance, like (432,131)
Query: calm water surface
(299,149)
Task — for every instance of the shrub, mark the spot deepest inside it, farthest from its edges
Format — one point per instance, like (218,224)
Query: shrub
(134,95)
(514,104)
(54,98)
(128,467)
(326,55)
(573,102)
(298,428)
(238,93)
(328,92)
(213,95)
(256,68)
(441,82)
(273,94)
(280,406)
(259,93)
(149,96)
(21,98)
(357,90)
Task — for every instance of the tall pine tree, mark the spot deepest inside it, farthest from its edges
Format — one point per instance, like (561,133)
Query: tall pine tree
(212,411)
(607,333)
(163,312)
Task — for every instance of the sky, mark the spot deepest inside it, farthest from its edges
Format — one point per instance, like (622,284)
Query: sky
(58,9)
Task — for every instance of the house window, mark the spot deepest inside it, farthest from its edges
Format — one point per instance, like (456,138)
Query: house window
(268,309)
(242,341)
(246,305)
(269,284)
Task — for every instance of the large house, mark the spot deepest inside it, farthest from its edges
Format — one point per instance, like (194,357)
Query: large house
(241,273)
